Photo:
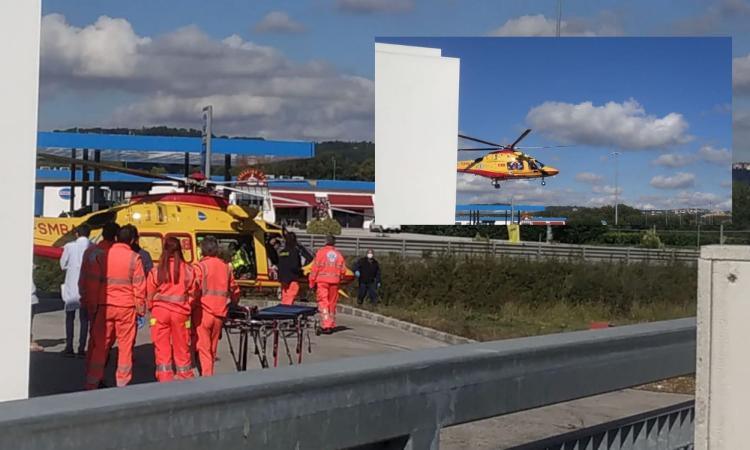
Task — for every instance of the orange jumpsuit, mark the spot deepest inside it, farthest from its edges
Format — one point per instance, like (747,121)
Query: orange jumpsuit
(90,284)
(170,306)
(328,268)
(216,288)
(123,296)
(289,292)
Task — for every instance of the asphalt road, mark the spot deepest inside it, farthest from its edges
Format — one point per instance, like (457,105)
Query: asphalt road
(50,373)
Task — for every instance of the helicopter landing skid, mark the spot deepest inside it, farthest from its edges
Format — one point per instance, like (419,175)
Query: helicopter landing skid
(496,184)
(544,183)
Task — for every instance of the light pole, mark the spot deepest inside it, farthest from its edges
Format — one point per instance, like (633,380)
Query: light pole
(334,168)
(559,16)
(617,196)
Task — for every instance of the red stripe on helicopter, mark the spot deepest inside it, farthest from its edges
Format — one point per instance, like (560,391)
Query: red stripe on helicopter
(45,251)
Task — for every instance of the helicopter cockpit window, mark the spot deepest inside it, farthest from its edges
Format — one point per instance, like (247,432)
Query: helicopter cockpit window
(237,250)
(515,165)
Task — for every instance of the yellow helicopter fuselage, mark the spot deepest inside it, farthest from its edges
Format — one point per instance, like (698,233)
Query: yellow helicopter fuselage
(507,164)
(187,216)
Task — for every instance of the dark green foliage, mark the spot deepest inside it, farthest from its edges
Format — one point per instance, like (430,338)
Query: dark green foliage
(741,204)
(488,284)
(354,161)
(47,275)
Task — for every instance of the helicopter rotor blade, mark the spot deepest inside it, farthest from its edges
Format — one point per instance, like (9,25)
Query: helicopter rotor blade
(479,149)
(546,146)
(463,136)
(523,135)
(108,167)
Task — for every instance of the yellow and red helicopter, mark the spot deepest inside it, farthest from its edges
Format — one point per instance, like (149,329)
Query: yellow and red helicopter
(505,162)
(202,208)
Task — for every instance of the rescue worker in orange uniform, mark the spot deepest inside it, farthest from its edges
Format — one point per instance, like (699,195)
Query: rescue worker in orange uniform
(90,282)
(328,269)
(122,300)
(169,293)
(215,288)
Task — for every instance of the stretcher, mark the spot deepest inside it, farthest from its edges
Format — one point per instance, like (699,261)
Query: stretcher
(280,324)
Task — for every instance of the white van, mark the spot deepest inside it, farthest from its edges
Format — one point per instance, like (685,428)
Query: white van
(384,228)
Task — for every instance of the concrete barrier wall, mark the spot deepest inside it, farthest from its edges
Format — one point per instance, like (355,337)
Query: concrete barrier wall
(397,400)
(723,359)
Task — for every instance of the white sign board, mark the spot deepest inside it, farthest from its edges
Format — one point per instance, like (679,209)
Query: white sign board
(416,128)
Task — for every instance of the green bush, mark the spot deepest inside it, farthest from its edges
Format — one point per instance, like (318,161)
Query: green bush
(650,239)
(324,226)
(47,275)
(488,285)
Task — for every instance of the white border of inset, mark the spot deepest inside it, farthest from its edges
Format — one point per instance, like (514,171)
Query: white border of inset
(20,22)
(416,128)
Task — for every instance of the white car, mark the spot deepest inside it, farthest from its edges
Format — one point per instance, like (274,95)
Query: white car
(385,228)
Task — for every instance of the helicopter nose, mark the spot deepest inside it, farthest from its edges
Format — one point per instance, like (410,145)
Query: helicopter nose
(550,171)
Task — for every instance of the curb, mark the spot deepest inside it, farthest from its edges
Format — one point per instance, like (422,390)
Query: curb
(430,333)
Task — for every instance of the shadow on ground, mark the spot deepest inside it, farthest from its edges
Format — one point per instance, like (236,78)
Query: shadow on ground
(51,373)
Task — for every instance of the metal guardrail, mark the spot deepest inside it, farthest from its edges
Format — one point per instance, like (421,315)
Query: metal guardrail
(394,400)
(413,247)
(669,428)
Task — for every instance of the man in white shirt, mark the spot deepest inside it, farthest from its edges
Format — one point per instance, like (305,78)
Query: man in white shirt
(70,262)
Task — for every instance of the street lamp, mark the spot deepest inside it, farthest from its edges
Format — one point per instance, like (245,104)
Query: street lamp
(334,167)
(617,197)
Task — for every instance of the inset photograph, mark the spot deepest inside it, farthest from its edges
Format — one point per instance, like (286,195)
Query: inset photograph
(548,124)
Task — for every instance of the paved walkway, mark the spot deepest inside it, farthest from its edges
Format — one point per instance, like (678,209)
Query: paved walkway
(53,374)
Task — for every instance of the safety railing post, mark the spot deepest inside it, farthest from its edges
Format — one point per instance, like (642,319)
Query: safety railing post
(627,256)
(583,253)
(449,247)
(356,249)
(403,247)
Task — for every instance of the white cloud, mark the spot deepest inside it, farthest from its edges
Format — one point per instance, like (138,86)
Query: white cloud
(606,23)
(278,22)
(673,160)
(374,6)
(588,177)
(720,156)
(677,181)
(719,16)
(686,199)
(623,125)
(609,190)
(741,74)
(255,89)
(539,25)
(109,48)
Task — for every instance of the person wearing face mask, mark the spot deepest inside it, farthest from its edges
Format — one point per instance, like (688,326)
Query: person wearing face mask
(367,271)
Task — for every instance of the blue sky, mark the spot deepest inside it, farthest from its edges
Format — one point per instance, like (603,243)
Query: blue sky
(304,69)
(502,80)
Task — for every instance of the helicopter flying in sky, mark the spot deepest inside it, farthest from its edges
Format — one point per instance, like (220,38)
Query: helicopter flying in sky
(505,162)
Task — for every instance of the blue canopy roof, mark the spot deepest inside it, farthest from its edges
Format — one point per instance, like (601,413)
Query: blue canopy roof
(123,142)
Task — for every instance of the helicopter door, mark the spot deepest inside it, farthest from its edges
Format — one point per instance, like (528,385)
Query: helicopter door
(152,243)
